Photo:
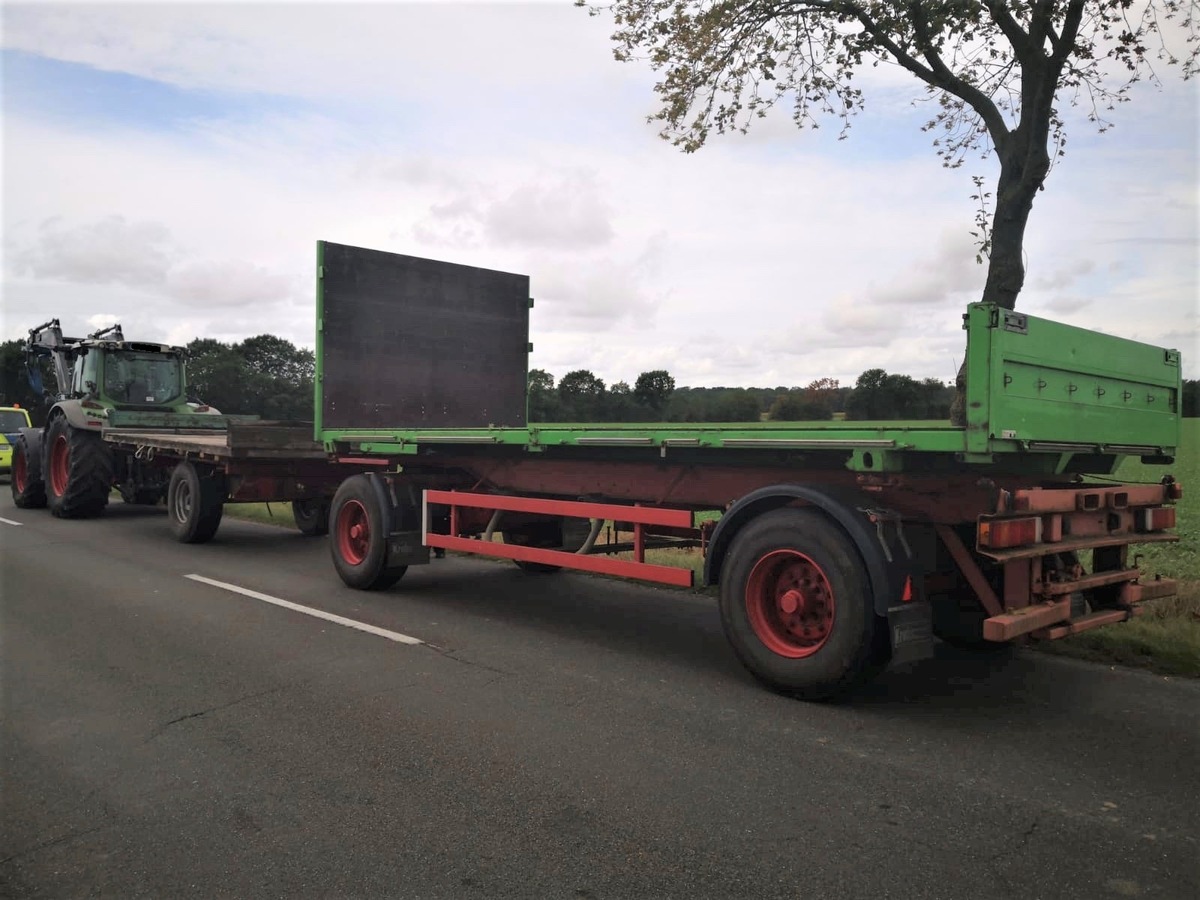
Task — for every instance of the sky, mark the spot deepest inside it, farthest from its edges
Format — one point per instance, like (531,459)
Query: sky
(172,166)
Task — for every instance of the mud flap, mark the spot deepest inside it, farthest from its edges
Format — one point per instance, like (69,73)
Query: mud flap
(910,626)
(404,548)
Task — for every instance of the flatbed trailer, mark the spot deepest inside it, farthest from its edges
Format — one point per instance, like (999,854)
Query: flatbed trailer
(242,462)
(838,547)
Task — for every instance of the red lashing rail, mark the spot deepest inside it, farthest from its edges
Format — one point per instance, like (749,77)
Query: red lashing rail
(604,565)
(576,509)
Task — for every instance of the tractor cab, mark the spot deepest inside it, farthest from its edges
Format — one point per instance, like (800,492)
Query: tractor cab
(129,375)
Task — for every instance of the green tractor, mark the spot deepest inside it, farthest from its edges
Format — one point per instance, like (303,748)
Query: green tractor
(103,382)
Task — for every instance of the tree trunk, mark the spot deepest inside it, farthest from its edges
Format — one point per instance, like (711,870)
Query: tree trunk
(1022,171)
(1014,200)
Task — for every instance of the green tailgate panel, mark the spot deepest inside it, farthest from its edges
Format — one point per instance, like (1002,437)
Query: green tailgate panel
(1041,384)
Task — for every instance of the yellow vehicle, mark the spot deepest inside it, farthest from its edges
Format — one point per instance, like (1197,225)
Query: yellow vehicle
(12,420)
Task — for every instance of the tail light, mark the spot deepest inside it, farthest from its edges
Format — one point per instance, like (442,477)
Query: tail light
(997,534)
(1156,518)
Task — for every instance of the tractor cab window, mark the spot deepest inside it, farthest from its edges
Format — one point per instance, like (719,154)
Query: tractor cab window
(86,374)
(142,377)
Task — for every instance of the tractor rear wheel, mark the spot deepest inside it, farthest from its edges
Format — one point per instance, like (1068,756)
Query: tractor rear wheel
(28,486)
(195,503)
(79,471)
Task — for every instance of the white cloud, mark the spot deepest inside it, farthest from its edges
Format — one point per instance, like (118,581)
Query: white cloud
(230,283)
(508,138)
(109,251)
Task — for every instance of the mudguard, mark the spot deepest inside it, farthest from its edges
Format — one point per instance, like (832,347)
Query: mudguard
(877,534)
(76,415)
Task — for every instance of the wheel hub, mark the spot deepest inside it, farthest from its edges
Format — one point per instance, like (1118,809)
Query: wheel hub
(790,603)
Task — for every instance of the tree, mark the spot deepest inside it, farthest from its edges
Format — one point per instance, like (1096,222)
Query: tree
(278,358)
(15,389)
(813,403)
(999,71)
(654,388)
(582,395)
(264,375)
(543,403)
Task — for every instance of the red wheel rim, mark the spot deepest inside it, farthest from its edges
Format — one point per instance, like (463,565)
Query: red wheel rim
(790,604)
(19,474)
(353,532)
(60,465)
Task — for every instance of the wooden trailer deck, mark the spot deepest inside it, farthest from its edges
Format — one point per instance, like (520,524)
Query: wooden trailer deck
(260,440)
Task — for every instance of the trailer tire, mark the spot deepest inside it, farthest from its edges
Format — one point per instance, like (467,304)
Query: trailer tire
(79,471)
(143,496)
(547,535)
(359,536)
(796,605)
(311,516)
(27,484)
(195,504)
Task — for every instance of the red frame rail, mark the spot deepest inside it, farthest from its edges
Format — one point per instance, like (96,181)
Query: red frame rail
(638,516)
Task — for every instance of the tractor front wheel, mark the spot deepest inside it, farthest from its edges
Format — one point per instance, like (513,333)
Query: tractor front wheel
(195,503)
(28,486)
(79,471)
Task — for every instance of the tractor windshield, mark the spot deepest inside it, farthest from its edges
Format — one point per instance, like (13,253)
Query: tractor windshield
(142,377)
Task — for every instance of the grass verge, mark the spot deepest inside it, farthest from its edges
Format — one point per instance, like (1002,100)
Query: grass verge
(268,513)
(1166,637)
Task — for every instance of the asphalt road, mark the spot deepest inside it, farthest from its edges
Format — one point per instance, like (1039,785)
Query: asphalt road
(551,736)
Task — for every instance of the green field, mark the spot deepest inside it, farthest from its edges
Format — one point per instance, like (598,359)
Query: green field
(1165,639)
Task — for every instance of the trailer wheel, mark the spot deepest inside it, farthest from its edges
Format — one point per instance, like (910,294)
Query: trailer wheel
(359,537)
(79,471)
(142,496)
(311,516)
(195,504)
(28,486)
(547,535)
(797,608)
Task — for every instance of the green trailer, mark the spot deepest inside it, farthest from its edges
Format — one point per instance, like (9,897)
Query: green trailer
(838,547)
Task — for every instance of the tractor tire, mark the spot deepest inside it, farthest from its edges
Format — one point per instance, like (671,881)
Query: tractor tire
(797,607)
(79,471)
(359,531)
(27,483)
(311,516)
(195,503)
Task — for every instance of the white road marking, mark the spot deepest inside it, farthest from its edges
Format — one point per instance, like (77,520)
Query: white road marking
(11,522)
(309,611)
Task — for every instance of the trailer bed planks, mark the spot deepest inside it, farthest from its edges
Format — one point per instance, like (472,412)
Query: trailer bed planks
(260,440)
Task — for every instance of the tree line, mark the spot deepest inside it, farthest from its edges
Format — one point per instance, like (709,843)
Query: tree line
(263,375)
(580,396)
(271,377)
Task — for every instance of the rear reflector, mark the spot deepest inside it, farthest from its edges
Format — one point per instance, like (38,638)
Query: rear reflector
(996,534)
(1156,519)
